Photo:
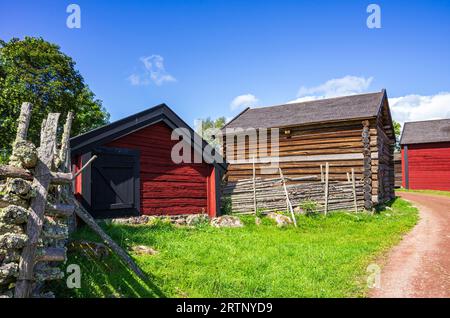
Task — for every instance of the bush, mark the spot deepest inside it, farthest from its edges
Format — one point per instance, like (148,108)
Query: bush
(4,157)
(309,207)
(226,206)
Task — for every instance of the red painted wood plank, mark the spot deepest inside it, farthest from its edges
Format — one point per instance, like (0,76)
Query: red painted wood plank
(429,166)
(166,187)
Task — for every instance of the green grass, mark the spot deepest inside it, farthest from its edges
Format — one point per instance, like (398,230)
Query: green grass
(434,192)
(323,257)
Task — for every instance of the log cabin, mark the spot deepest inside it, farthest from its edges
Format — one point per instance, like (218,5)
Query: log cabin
(134,173)
(425,150)
(347,132)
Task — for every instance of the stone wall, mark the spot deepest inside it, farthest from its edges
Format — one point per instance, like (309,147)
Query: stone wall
(33,220)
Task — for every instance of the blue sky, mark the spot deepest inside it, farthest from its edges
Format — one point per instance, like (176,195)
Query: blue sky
(202,55)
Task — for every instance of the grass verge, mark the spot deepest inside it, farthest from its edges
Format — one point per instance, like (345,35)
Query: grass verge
(323,257)
(434,192)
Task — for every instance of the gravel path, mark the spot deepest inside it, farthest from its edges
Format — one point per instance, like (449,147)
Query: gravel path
(420,265)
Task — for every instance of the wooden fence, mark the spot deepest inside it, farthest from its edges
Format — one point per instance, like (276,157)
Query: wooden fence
(268,195)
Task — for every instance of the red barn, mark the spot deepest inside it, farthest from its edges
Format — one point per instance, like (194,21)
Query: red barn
(134,173)
(426,155)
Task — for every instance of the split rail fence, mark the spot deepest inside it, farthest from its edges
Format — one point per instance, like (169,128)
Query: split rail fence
(289,194)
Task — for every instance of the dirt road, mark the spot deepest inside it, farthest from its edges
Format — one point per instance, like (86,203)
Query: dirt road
(420,265)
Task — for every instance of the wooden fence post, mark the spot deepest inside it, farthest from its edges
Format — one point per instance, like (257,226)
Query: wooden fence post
(348,177)
(23,121)
(354,190)
(287,197)
(63,157)
(327,169)
(254,187)
(41,183)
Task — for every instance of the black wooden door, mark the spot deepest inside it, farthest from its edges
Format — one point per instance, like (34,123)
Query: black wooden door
(115,183)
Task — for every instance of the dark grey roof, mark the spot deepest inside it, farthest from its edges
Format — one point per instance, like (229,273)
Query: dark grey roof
(420,132)
(323,110)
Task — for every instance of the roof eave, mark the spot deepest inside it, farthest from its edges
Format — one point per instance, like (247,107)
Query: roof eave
(136,122)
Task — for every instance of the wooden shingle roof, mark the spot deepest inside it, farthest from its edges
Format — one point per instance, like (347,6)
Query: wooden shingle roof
(360,106)
(428,131)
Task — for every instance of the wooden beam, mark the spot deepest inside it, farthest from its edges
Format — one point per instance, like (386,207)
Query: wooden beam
(287,198)
(254,188)
(23,121)
(7,171)
(327,170)
(51,254)
(64,150)
(406,165)
(41,182)
(92,224)
(354,190)
(367,165)
(306,158)
(61,178)
(60,210)
(84,166)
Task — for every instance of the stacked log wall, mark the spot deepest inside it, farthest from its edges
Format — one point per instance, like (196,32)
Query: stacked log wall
(385,148)
(303,149)
(398,170)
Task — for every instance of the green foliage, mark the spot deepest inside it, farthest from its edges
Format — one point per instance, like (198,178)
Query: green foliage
(226,205)
(398,132)
(36,71)
(322,257)
(208,128)
(4,156)
(310,207)
(432,192)
(260,212)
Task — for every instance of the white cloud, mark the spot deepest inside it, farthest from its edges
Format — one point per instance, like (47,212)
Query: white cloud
(154,71)
(347,85)
(134,79)
(405,108)
(241,101)
(420,107)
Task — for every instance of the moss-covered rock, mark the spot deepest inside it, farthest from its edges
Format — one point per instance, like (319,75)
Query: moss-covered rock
(10,228)
(24,154)
(14,214)
(20,187)
(55,229)
(8,272)
(48,273)
(9,198)
(9,256)
(12,241)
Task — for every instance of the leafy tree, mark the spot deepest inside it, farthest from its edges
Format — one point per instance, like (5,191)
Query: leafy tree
(207,128)
(398,132)
(34,70)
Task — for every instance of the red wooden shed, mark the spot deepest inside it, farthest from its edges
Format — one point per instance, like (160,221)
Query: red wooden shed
(134,173)
(426,155)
